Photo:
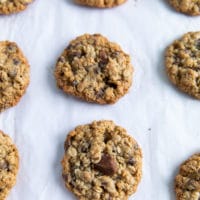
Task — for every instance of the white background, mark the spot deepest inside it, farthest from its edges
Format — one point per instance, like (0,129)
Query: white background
(44,116)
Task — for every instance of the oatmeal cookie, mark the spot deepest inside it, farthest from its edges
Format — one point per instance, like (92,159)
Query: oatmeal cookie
(189,7)
(13,6)
(14,74)
(101,161)
(182,63)
(94,69)
(9,164)
(187,182)
(101,3)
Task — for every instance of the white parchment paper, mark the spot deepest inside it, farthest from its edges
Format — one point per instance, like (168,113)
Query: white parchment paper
(164,121)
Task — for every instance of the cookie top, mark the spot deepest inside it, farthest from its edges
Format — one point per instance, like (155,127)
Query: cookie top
(101,161)
(187,182)
(14,74)
(13,6)
(100,3)
(182,63)
(94,69)
(9,164)
(189,7)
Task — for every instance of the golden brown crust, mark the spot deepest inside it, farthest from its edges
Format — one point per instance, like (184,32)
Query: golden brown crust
(182,63)
(94,69)
(14,74)
(189,7)
(13,6)
(187,182)
(101,161)
(101,3)
(9,165)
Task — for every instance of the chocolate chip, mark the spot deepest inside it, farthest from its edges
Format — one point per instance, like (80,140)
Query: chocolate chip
(107,165)
(61,59)
(16,62)
(97,70)
(102,55)
(103,59)
(100,93)
(4,165)
(11,48)
(112,85)
(107,137)
(131,161)
(73,55)
(103,63)
(115,54)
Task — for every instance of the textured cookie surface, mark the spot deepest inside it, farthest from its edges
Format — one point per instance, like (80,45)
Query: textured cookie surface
(100,3)
(183,63)
(190,7)
(13,6)
(94,69)
(187,182)
(14,74)
(101,161)
(9,161)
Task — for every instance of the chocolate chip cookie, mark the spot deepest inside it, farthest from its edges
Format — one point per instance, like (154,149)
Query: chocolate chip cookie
(100,3)
(183,63)
(9,163)
(14,74)
(13,6)
(187,182)
(94,69)
(101,161)
(189,7)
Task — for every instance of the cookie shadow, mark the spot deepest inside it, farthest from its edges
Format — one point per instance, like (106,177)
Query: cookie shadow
(71,2)
(171,184)
(167,4)
(161,69)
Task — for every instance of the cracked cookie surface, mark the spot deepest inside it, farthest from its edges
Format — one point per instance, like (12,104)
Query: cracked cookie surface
(101,3)
(187,182)
(94,69)
(9,164)
(190,7)
(101,161)
(14,74)
(13,6)
(182,61)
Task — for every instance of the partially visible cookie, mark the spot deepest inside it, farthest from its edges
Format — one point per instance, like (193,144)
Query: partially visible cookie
(101,161)
(189,7)
(187,182)
(14,74)
(13,6)
(9,164)
(94,69)
(101,3)
(183,63)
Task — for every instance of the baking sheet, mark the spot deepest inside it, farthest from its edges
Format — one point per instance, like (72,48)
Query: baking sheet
(164,121)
